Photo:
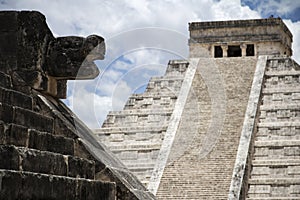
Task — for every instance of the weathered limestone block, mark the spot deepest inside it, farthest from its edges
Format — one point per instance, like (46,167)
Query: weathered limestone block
(32,119)
(48,142)
(9,157)
(78,167)
(17,98)
(52,187)
(42,162)
(5,80)
(14,134)
(6,113)
(32,160)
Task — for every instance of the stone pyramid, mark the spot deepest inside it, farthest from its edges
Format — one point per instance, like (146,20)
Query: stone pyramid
(223,124)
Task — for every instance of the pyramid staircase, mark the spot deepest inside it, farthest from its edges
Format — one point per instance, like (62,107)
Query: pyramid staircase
(135,134)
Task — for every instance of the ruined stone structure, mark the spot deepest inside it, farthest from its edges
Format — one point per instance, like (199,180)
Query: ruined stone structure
(240,38)
(224,124)
(46,152)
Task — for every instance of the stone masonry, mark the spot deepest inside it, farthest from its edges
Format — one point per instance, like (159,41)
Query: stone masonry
(253,37)
(46,152)
(232,131)
(136,133)
(223,124)
(275,166)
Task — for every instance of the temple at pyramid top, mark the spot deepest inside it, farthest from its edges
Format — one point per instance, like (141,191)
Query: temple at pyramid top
(240,38)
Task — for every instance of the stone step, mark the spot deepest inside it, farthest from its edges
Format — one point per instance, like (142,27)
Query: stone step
(277,138)
(277,143)
(284,117)
(281,191)
(273,198)
(137,156)
(271,136)
(282,81)
(166,78)
(126,135)
(25,117)
(281,114)
(290,72)
(142,121)
(166,81)
(21,136)
(277,107)
(275,172)
(139,166)
(19,99)
(278,133)
(140,112)
(130,130)
(43,186)
(178,66)
(135,119)
(278,162)
(276,149)
(279,124)
(275,182)
(124,139)
(154,95)
(162,84)
(281,99)
(275,90)
(151,102)
(270,153)
(32,160)
(133,147)
(281,64)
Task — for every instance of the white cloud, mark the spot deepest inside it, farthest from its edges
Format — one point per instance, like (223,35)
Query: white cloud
(295,29)
(232,9)
(141,36)
(280,7)
(120,94)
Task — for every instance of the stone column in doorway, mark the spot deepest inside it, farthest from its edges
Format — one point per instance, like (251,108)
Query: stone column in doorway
(225,49)
(243,47)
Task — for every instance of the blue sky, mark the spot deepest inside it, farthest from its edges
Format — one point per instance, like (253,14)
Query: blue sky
(141,36)
(286,9)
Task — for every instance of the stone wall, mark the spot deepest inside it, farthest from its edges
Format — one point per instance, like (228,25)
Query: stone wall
(135,134)
(275,164)
(270,36)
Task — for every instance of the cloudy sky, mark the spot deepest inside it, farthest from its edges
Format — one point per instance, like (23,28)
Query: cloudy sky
(141,36)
